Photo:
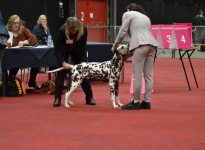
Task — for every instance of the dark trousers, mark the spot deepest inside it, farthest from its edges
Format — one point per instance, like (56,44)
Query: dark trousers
(60,83)
(33,73)
(2,49)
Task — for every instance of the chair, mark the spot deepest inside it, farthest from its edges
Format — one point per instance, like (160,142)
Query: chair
(27,72)
(23,72)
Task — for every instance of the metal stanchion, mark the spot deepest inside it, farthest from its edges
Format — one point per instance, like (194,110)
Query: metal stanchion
(163,52)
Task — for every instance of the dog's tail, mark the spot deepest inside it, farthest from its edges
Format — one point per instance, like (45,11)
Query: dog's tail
(55,70)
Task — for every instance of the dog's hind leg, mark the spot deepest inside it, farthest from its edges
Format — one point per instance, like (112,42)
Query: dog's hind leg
(68,94)
(67,98)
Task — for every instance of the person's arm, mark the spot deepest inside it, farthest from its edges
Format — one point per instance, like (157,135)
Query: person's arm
(59,42)
(30,39)
(83,45)
(35,33)
(203,21)
(123,30)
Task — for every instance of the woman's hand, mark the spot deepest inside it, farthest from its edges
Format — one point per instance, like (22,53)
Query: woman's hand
(22,43)
(44,25)
(66,66)
(114,47)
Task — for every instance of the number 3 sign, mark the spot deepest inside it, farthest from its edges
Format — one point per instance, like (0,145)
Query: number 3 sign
(180,38)
(164,35)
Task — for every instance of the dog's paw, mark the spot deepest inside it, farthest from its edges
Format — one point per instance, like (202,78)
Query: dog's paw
(115,106)
(120,104)
(66,105)
(71,103)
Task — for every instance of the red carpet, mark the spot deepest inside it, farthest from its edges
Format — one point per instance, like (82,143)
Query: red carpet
(176,120)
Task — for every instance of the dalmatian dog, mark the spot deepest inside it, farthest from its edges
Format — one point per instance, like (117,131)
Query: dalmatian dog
(107,71)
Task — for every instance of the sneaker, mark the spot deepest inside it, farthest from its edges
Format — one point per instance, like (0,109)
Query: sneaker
(131,106)
(145,105)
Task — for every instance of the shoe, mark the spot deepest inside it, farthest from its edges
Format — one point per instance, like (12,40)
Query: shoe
(34,85)
(145,105)
(57,102)
(131,106)
(90,101)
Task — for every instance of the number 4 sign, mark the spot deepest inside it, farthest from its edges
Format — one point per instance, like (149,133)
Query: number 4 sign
(180,38)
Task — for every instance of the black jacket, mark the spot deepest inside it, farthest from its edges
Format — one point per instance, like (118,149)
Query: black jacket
(42,37)
(77,51)
(199,20)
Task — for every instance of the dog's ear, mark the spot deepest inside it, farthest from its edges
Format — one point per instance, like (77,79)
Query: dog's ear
(116,51)
(128,45)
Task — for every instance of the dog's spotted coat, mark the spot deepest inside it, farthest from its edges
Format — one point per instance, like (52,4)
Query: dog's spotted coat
(108,71)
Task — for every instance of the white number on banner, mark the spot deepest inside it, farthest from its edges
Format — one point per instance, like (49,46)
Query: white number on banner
(82,18)
(183,39)
(168,37)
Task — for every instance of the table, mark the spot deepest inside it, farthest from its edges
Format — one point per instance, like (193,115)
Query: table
(41,57)
(182,53)
(28,57)
(25,58)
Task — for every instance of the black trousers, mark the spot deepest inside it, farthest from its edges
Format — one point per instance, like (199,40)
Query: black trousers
(72,57)
(33,73)
(2,49)
(60,83)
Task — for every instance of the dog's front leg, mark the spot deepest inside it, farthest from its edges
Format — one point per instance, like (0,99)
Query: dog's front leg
(112,95)
(117,97)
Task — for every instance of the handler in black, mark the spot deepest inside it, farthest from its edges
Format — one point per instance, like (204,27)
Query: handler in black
(71,40)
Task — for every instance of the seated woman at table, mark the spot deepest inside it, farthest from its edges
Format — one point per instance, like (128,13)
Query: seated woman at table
(22,36)
(41,30)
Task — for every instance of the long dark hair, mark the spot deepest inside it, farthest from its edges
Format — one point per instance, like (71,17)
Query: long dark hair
(135,7)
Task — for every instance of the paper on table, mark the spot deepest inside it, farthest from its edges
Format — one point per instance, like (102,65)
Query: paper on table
(41,46)
(10,40)
(15,47)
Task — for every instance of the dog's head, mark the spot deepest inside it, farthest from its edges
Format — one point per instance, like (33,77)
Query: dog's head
(123,50)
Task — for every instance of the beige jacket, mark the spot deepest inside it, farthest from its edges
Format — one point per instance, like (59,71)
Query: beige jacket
(138,27)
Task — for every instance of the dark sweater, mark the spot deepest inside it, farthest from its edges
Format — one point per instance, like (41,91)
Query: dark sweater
(77,50)
(41,35)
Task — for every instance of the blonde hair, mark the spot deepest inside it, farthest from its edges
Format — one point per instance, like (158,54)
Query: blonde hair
(40,17)
(10,24)
(73,23)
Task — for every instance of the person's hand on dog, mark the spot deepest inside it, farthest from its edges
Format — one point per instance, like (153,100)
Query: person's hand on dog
(114,47)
